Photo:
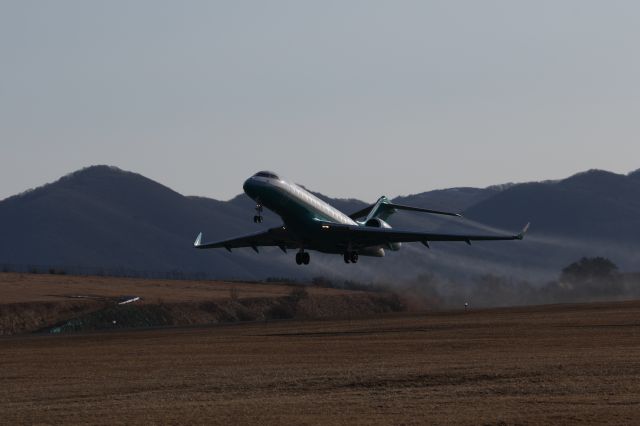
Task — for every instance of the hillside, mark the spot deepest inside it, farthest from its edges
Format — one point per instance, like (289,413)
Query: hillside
(588,214)
(105,218)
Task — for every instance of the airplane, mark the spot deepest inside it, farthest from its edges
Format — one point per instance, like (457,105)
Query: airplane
(311,224)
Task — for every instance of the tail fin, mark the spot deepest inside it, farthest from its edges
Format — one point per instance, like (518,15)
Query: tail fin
(380,210)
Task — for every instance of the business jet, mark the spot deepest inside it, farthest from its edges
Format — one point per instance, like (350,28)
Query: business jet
(312,224)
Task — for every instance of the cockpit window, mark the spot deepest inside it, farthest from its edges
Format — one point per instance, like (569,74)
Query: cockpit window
(267,175)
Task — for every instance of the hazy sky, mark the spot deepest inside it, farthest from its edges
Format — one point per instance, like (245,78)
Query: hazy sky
(350,98)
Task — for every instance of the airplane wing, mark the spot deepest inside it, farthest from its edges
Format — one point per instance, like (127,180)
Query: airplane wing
(363,236)
(276,237)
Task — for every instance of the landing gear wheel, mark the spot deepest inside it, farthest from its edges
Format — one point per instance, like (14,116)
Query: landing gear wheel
(258,217)
(303,258)
(350,257)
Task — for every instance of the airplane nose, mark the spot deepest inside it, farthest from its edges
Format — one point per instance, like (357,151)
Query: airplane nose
(246,185)
(249,186)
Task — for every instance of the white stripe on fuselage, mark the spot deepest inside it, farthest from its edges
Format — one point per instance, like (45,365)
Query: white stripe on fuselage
(302,196)
(316,203)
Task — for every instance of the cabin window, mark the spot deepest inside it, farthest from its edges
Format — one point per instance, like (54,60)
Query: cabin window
(267,175)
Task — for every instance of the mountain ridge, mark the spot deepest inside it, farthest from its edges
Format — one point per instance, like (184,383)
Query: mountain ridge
(105,216)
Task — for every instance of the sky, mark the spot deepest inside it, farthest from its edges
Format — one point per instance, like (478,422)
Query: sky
(350,98)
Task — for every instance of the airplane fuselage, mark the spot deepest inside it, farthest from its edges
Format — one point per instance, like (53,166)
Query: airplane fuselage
(291,202)
(302,212)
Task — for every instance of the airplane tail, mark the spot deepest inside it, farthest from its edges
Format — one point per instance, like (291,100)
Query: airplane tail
(383,208)
(380,209)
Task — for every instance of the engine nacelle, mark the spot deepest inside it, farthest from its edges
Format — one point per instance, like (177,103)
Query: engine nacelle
(379,223)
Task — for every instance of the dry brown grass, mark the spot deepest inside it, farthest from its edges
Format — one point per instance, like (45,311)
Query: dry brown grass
(554,365)
(32,302)
(26,288)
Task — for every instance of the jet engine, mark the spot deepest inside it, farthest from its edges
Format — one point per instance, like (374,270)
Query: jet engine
(379,223)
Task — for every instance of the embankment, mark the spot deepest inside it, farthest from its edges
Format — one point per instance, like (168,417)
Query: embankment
(65,317)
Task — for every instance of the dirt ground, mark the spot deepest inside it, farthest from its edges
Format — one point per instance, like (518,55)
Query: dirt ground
(553,365)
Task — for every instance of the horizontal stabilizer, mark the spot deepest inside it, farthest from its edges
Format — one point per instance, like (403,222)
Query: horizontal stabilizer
(383,208)
(418,209)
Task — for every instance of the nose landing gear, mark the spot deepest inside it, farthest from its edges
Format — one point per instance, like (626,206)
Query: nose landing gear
(258,217)
(303,258)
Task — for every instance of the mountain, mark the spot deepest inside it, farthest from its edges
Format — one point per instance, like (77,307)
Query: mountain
(452,199)
(635,174)
(104,217)
(596,205)
(595,213)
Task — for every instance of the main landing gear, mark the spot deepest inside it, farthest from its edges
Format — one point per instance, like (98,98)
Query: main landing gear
(303,257)
(351,256)
(258,217)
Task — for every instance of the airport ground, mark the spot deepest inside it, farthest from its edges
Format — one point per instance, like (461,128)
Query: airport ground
(557,364)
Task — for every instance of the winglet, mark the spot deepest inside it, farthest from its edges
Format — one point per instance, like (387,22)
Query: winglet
(520,236)
(196,243)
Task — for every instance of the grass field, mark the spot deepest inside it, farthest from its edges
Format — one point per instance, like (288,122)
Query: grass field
(27,288)
(553,365)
